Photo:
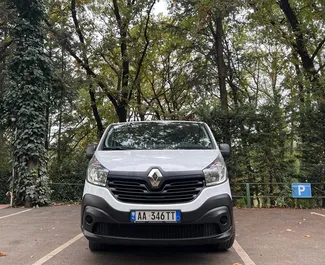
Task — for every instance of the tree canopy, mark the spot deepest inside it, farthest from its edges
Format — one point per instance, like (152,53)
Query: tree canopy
(252,70)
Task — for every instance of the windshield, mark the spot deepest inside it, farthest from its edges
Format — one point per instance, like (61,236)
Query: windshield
(155,135)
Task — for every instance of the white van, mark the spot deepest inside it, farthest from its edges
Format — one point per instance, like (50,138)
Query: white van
(158,183)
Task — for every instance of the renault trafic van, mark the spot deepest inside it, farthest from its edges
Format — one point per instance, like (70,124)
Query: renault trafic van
(158,183)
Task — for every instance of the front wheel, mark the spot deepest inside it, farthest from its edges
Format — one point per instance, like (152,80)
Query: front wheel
(226,245)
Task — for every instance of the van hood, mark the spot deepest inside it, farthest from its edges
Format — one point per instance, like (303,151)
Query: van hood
(167,160)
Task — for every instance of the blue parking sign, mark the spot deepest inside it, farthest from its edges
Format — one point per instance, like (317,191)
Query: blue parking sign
(301,190)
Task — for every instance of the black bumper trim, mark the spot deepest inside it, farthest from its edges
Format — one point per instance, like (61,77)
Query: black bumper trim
(210,212)
(160,242)
(187,217)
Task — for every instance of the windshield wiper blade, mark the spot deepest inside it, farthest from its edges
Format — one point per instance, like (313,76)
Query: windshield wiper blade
(115,148)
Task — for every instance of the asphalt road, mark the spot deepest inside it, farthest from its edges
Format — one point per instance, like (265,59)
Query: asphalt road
(52,236)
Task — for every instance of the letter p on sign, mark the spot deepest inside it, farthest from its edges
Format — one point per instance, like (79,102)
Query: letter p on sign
(301,190)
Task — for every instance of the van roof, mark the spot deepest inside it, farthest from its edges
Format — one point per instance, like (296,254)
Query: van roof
(160,121)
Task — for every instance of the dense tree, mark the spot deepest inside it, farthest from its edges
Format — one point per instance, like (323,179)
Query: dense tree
(299,27)
(26,99)
(253,70)
(110,45)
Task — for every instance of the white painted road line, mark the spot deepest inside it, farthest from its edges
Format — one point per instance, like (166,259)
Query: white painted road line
(323,215)
(242,254)
(2,217)
(57,250)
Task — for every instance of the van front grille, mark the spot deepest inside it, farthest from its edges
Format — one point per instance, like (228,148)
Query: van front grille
(172,190)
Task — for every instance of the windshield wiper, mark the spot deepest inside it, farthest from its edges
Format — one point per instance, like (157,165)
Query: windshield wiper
(192,147)
(116,148)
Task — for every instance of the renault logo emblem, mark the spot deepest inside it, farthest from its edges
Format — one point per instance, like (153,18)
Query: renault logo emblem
(155,177)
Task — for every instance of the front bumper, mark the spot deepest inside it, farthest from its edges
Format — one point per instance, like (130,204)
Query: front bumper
(203,226)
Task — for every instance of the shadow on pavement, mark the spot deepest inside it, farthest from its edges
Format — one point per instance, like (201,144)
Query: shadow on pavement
(160,255)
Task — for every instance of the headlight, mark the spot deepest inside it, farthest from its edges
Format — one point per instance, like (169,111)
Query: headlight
(216,172)
(97,173)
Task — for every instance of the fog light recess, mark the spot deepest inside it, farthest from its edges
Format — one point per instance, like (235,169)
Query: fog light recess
(224,220)
(89,219)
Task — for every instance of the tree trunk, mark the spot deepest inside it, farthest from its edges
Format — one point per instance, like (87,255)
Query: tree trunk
(222,77)
(307,61)
(123,24)
(122,113)
(98,120)
(59,137)
(28,66)
(139,103)
(221,64)
(272,200)
(323,201)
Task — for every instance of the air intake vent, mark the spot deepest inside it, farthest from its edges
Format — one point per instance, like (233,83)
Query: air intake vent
(172,190)
(157,231)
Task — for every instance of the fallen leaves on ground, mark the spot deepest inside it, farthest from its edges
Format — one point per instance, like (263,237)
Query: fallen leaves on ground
(3,254)
(307,235)
(289,230)
(237,263)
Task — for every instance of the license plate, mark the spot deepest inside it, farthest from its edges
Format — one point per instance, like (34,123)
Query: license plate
(155,216)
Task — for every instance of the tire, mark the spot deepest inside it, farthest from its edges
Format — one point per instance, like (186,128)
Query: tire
(226,245)
(96,246)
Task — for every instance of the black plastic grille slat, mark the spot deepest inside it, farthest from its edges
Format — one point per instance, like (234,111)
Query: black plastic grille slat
(173,190)
(158,196)
(130,192)
(184,184)
(131,183)
(157,231)
(129,186)
(185,192)
(153,201)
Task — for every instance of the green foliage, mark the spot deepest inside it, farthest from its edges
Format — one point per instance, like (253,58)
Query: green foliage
(5,171)
(126,63)
(28,82)
(68,176)
(4,188)
(304,204)
(241,203)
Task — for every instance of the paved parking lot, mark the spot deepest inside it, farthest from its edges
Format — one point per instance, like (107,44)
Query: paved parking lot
(52,236)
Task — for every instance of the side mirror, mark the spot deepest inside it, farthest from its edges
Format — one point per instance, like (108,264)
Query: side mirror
(225,150)
(91,151)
